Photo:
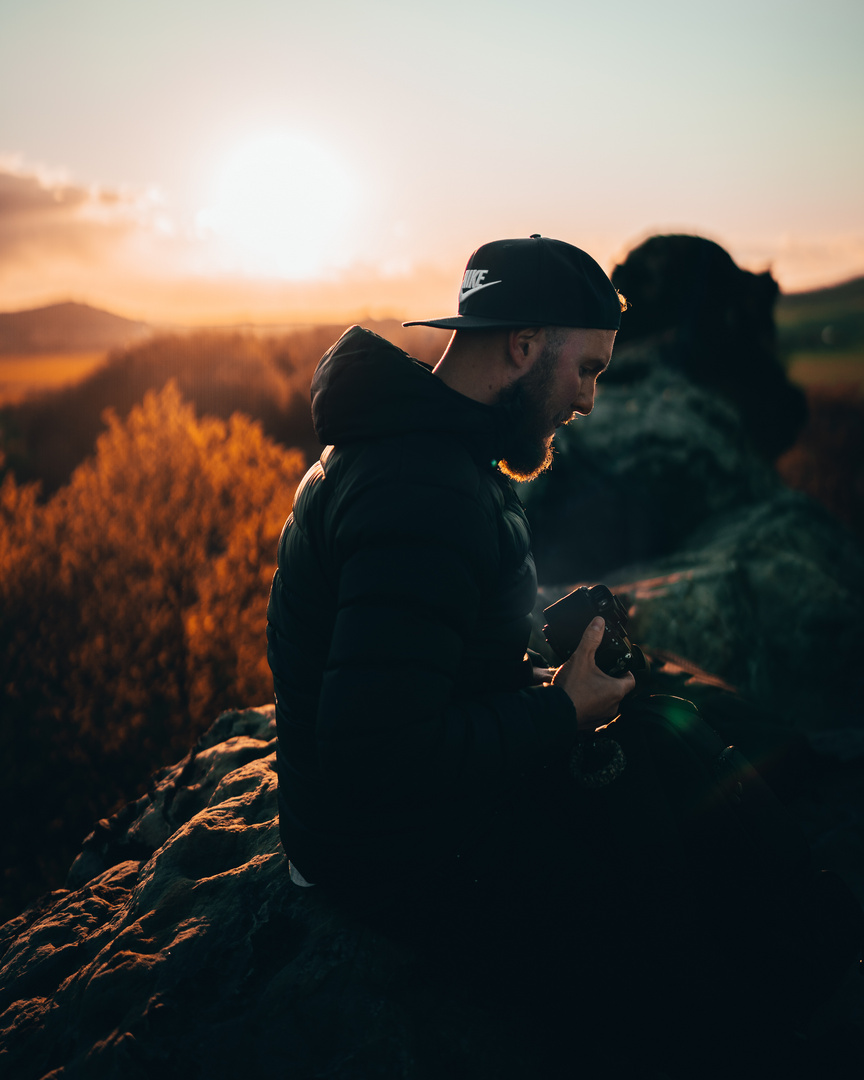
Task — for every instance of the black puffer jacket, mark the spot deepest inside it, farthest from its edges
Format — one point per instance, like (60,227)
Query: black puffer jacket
(397,626)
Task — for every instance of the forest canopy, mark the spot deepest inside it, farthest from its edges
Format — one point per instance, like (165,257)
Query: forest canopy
(132,611)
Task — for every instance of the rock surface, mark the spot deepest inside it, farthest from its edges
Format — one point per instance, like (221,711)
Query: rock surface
(671,484)
(750,580)
(181,948)
(660,456)
(714,322)
(769,598)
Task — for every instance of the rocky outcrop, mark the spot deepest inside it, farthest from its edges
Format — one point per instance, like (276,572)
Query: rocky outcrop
(659,457)
(181,948)
(713,322)
(750,580)
(769,598)
(694,408)
(668,493)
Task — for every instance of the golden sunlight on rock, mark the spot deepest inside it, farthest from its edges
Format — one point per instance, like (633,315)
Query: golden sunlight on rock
(279,206)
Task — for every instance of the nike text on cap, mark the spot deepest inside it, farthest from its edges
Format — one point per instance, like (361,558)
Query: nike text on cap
(532,282)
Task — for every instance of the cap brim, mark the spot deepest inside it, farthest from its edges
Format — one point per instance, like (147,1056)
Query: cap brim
(471,322)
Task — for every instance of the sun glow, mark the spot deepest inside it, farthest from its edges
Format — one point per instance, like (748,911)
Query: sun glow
(279,207)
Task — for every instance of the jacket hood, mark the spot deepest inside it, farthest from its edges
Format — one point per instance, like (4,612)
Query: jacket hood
(365,388)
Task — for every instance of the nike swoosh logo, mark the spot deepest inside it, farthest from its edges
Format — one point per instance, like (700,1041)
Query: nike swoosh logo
(463,293)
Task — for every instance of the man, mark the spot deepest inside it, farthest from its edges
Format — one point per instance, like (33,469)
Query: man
(407,710)
(424,764)
(423,761)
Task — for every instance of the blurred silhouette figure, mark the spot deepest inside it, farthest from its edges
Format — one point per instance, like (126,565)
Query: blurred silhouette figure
(714,322)
(689,420)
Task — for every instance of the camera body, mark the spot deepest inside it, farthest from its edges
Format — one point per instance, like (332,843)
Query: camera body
(567,619)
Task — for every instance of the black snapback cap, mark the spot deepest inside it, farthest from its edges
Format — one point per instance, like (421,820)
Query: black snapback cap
(535,281)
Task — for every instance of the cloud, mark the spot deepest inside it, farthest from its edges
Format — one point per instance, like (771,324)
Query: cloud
(44,219)
(812,261)
(121,250)
(61,240)
(802,260)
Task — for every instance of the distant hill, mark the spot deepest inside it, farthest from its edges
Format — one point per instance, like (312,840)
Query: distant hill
(848,294)
(262,374)
(829,320)
(823,320)
(67,327)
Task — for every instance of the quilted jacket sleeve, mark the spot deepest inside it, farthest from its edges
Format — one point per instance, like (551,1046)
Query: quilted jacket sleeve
(419,555)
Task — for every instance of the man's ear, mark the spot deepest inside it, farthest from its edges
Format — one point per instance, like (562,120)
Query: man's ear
(524,346)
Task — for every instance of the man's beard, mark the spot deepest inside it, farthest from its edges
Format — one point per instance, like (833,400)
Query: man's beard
(526,449)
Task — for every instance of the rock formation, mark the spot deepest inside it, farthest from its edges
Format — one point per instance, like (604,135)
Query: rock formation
(659,456)
(769,598)
(671,481)
(690,416)
(714,323)
(180,948)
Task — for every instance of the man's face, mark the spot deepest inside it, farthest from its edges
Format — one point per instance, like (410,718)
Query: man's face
(559,385)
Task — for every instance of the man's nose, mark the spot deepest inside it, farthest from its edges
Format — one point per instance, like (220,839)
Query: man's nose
(585,400)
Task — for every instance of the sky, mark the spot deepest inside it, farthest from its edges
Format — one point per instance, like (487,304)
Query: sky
(218,161)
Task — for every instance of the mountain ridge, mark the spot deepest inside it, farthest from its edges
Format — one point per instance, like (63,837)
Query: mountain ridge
(67,327)
(77,327)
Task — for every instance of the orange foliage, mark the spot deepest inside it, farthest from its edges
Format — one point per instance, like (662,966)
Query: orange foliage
(266,377)
(167,538)
(133,601)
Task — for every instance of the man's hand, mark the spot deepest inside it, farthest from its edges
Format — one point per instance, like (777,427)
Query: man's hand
(596,695)
(543,675)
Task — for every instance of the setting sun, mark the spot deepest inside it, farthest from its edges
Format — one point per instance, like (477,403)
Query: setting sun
(278,206)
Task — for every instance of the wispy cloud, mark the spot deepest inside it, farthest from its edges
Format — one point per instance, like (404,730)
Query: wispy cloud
(45,219)
(807,261)
(124,249)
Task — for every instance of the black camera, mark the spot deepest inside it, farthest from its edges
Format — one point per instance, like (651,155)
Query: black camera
(567,619)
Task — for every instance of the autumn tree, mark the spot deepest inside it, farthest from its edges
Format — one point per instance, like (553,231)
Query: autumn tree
(133,606)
